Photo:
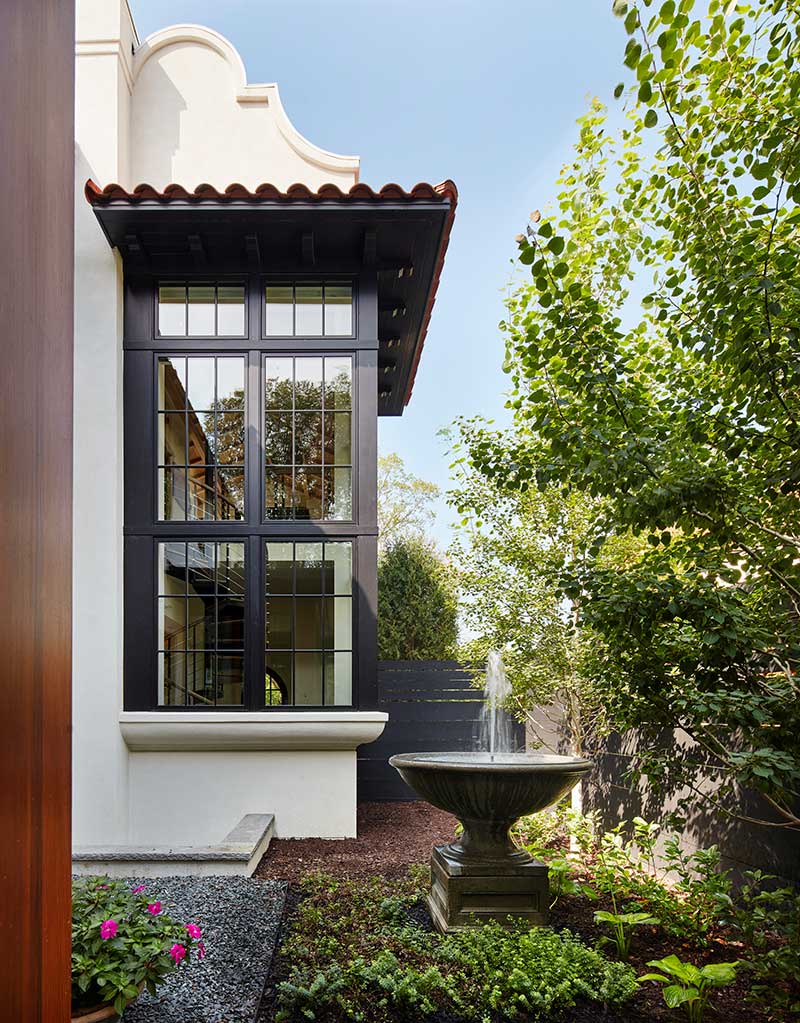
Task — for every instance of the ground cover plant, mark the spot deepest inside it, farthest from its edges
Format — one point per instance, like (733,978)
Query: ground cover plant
(365,950)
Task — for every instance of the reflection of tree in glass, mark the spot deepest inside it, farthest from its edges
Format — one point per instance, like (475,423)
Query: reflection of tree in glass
(274,690)
(227,442)
(337,391)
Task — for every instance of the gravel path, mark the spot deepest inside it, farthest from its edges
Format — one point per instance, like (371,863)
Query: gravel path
(239,917)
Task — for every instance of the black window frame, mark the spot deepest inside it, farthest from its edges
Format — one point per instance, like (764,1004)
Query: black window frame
(143,530)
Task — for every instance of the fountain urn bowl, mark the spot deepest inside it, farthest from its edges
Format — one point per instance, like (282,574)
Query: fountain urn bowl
(483,875)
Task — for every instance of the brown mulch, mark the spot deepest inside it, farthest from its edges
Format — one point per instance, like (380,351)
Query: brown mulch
(391,836)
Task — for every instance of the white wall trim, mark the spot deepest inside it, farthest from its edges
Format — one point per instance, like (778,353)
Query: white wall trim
(245,94)
(153,731)
(107,48)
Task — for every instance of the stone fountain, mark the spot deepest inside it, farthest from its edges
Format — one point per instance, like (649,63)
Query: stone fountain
(483,875)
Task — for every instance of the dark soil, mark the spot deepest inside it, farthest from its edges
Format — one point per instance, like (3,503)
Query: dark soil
(391,836)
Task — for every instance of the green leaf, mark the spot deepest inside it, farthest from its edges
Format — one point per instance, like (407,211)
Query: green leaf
(719,974)
(619,89)
(650,119)
(602,916)
(675,995)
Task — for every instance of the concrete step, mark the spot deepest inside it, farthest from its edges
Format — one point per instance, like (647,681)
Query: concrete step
(238,855)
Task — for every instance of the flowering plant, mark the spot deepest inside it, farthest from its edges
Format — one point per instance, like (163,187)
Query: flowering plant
(122,941)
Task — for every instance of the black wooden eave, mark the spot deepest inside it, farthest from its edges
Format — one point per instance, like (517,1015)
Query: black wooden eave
(401,236)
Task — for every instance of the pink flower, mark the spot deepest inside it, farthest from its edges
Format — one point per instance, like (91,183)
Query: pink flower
(108,928)
(201,950)
(139,889)
(193,931)
(177,952)
(154,908)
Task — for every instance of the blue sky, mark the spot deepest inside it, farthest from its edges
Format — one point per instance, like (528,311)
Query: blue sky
(485,93)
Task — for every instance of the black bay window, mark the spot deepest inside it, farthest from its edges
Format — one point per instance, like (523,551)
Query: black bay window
(248,406)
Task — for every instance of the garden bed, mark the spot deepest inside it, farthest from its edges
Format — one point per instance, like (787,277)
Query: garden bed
(391,836)
(357,943)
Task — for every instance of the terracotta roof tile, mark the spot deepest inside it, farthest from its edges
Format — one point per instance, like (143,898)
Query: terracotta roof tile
(97,196)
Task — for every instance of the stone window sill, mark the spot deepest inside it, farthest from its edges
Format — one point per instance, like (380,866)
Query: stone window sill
(152,731)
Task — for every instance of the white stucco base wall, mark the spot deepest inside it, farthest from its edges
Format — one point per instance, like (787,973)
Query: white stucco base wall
(194,798)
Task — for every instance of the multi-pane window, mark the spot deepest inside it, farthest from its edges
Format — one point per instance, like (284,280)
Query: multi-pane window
(201,310)
(201,447)
(308,310)
(308,623)
(239,586)
(201,633)
(308,438)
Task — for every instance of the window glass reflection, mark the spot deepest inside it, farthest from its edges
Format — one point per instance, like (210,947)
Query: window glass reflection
(338,310)
(308,623)
(172,311)
(202,313)
(279,310)
(201,623)
(230,311)
(201,444)
(308,310)
(308,443)
(201,310)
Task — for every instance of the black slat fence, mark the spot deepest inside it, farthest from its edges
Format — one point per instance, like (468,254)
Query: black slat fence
(433,706)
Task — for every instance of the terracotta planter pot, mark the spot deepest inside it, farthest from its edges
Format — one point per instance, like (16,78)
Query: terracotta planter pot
(96,1014)
(103,1013)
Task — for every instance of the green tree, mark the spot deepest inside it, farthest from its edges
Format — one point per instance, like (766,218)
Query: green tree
(404,501)
(511,548)
(417,603)
(681,411)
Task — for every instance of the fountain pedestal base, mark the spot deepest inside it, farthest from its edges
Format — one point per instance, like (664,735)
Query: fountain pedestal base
(469,893)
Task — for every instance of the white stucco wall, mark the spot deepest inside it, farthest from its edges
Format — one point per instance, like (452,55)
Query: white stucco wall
(175,107)
(194,119)
(100,774)
(195,798)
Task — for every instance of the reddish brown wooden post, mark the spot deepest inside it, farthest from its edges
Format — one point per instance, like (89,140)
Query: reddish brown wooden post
(36,260)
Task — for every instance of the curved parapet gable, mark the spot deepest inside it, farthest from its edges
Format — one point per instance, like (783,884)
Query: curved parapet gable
(195,118)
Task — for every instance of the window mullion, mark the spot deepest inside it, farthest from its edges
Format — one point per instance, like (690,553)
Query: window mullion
(254,458)
(254,632)
(254,442)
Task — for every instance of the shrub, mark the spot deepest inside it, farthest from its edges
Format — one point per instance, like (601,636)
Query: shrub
(627,871)
(122,942)
(417,603)
(768,918)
